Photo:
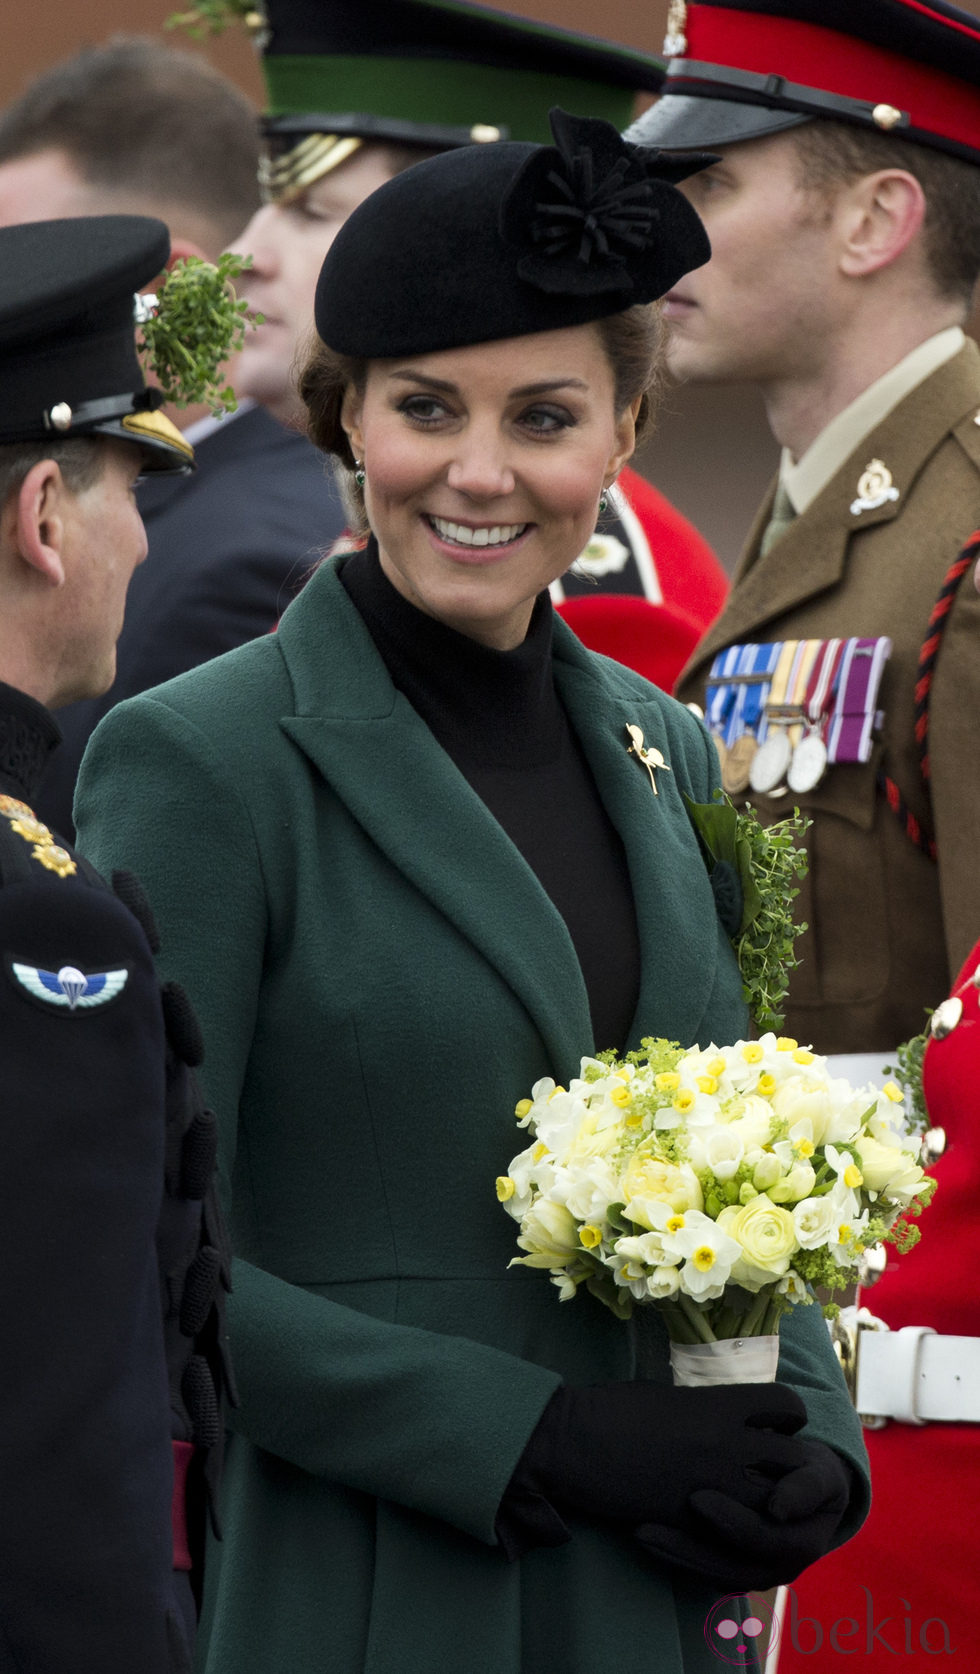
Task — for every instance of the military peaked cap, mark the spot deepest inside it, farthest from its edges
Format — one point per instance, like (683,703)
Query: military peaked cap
(430,73)
(68,362)
(910,68)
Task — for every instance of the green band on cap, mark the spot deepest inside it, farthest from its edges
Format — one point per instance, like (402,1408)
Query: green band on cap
(454,94)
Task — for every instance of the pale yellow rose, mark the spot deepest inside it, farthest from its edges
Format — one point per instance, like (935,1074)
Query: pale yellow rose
(647,1179)
(890,1170)
(768,1239)
(753,1122)
(801,1099)
(595,1136)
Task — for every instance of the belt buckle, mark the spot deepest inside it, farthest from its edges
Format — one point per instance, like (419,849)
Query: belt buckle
(845,1335)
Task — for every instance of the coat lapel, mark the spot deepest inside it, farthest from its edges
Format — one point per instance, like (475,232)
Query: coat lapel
(811,556)
(674,907)
(398,783)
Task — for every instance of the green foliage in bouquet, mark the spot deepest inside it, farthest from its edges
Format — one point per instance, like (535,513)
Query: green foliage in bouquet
(907,1071)
(768,861)
(197,324)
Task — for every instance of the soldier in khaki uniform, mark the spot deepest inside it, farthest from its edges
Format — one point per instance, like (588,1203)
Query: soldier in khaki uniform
(844,214)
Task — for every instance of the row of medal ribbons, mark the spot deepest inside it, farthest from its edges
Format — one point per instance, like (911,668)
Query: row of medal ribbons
(782,713)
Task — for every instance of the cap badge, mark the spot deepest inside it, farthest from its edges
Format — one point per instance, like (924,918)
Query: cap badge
(70,987)
(602,555)
(886,116)
(875,488)
(649,756)
(675,40)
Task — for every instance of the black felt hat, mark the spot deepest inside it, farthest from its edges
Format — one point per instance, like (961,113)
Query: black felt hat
(68,362)
(430,73)
(741,69)
(499,241)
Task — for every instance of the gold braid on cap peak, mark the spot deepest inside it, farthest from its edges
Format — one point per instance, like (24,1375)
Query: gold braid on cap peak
(283,178)
(156,427)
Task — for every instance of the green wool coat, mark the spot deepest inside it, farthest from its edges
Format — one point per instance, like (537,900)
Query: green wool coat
(380,977)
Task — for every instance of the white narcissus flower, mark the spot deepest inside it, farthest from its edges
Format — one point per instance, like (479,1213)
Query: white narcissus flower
(706,1250)
(557,1119)
(793,1288)
(531,1170)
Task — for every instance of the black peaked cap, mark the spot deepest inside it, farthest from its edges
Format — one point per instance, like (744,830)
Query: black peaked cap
(68,361)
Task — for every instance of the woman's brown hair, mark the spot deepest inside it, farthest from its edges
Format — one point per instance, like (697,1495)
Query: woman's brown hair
(632,341)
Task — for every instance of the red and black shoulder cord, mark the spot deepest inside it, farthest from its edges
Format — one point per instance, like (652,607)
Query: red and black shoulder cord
(928,657)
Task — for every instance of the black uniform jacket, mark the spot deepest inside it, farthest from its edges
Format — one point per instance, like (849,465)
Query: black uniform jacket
(102,1239)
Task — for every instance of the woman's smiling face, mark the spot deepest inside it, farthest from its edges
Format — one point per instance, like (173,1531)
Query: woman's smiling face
(484,467)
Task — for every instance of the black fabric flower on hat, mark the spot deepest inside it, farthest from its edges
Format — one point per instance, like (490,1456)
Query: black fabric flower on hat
(589,208)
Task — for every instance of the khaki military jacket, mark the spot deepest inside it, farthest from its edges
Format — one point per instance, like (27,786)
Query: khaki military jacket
(887,925)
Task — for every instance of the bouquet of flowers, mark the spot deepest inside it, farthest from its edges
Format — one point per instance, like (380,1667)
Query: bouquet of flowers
(719,1184)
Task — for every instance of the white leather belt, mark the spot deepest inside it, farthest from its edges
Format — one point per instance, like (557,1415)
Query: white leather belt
(917,1376)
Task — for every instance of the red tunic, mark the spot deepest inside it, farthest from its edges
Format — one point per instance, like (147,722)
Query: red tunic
(916,1561)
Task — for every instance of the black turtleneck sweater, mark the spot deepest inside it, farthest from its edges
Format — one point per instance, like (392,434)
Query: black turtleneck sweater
(28,734)
(498,717)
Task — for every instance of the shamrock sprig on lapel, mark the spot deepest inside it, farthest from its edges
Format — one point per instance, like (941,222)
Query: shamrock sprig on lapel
(754,871)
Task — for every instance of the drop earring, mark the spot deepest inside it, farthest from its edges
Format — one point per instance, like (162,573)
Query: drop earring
(359,476)
(603,503)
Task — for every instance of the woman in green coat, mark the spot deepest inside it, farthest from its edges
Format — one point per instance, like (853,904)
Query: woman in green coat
(407,867)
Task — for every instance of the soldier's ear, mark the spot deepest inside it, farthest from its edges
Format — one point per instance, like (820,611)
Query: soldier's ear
(41,505)
(879,216)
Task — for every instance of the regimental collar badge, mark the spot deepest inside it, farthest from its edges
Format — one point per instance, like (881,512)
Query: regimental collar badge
(650,757)
(69,989)
(875,488)
(675,40)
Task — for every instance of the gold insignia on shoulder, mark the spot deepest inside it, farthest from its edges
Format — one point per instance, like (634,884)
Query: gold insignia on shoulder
(31,829)
(675,40)
(648,755)
(56,859)
(13,809)
(875,488)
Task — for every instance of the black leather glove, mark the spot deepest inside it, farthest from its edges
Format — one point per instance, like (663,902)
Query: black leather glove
(630,1452)
(742,1546)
